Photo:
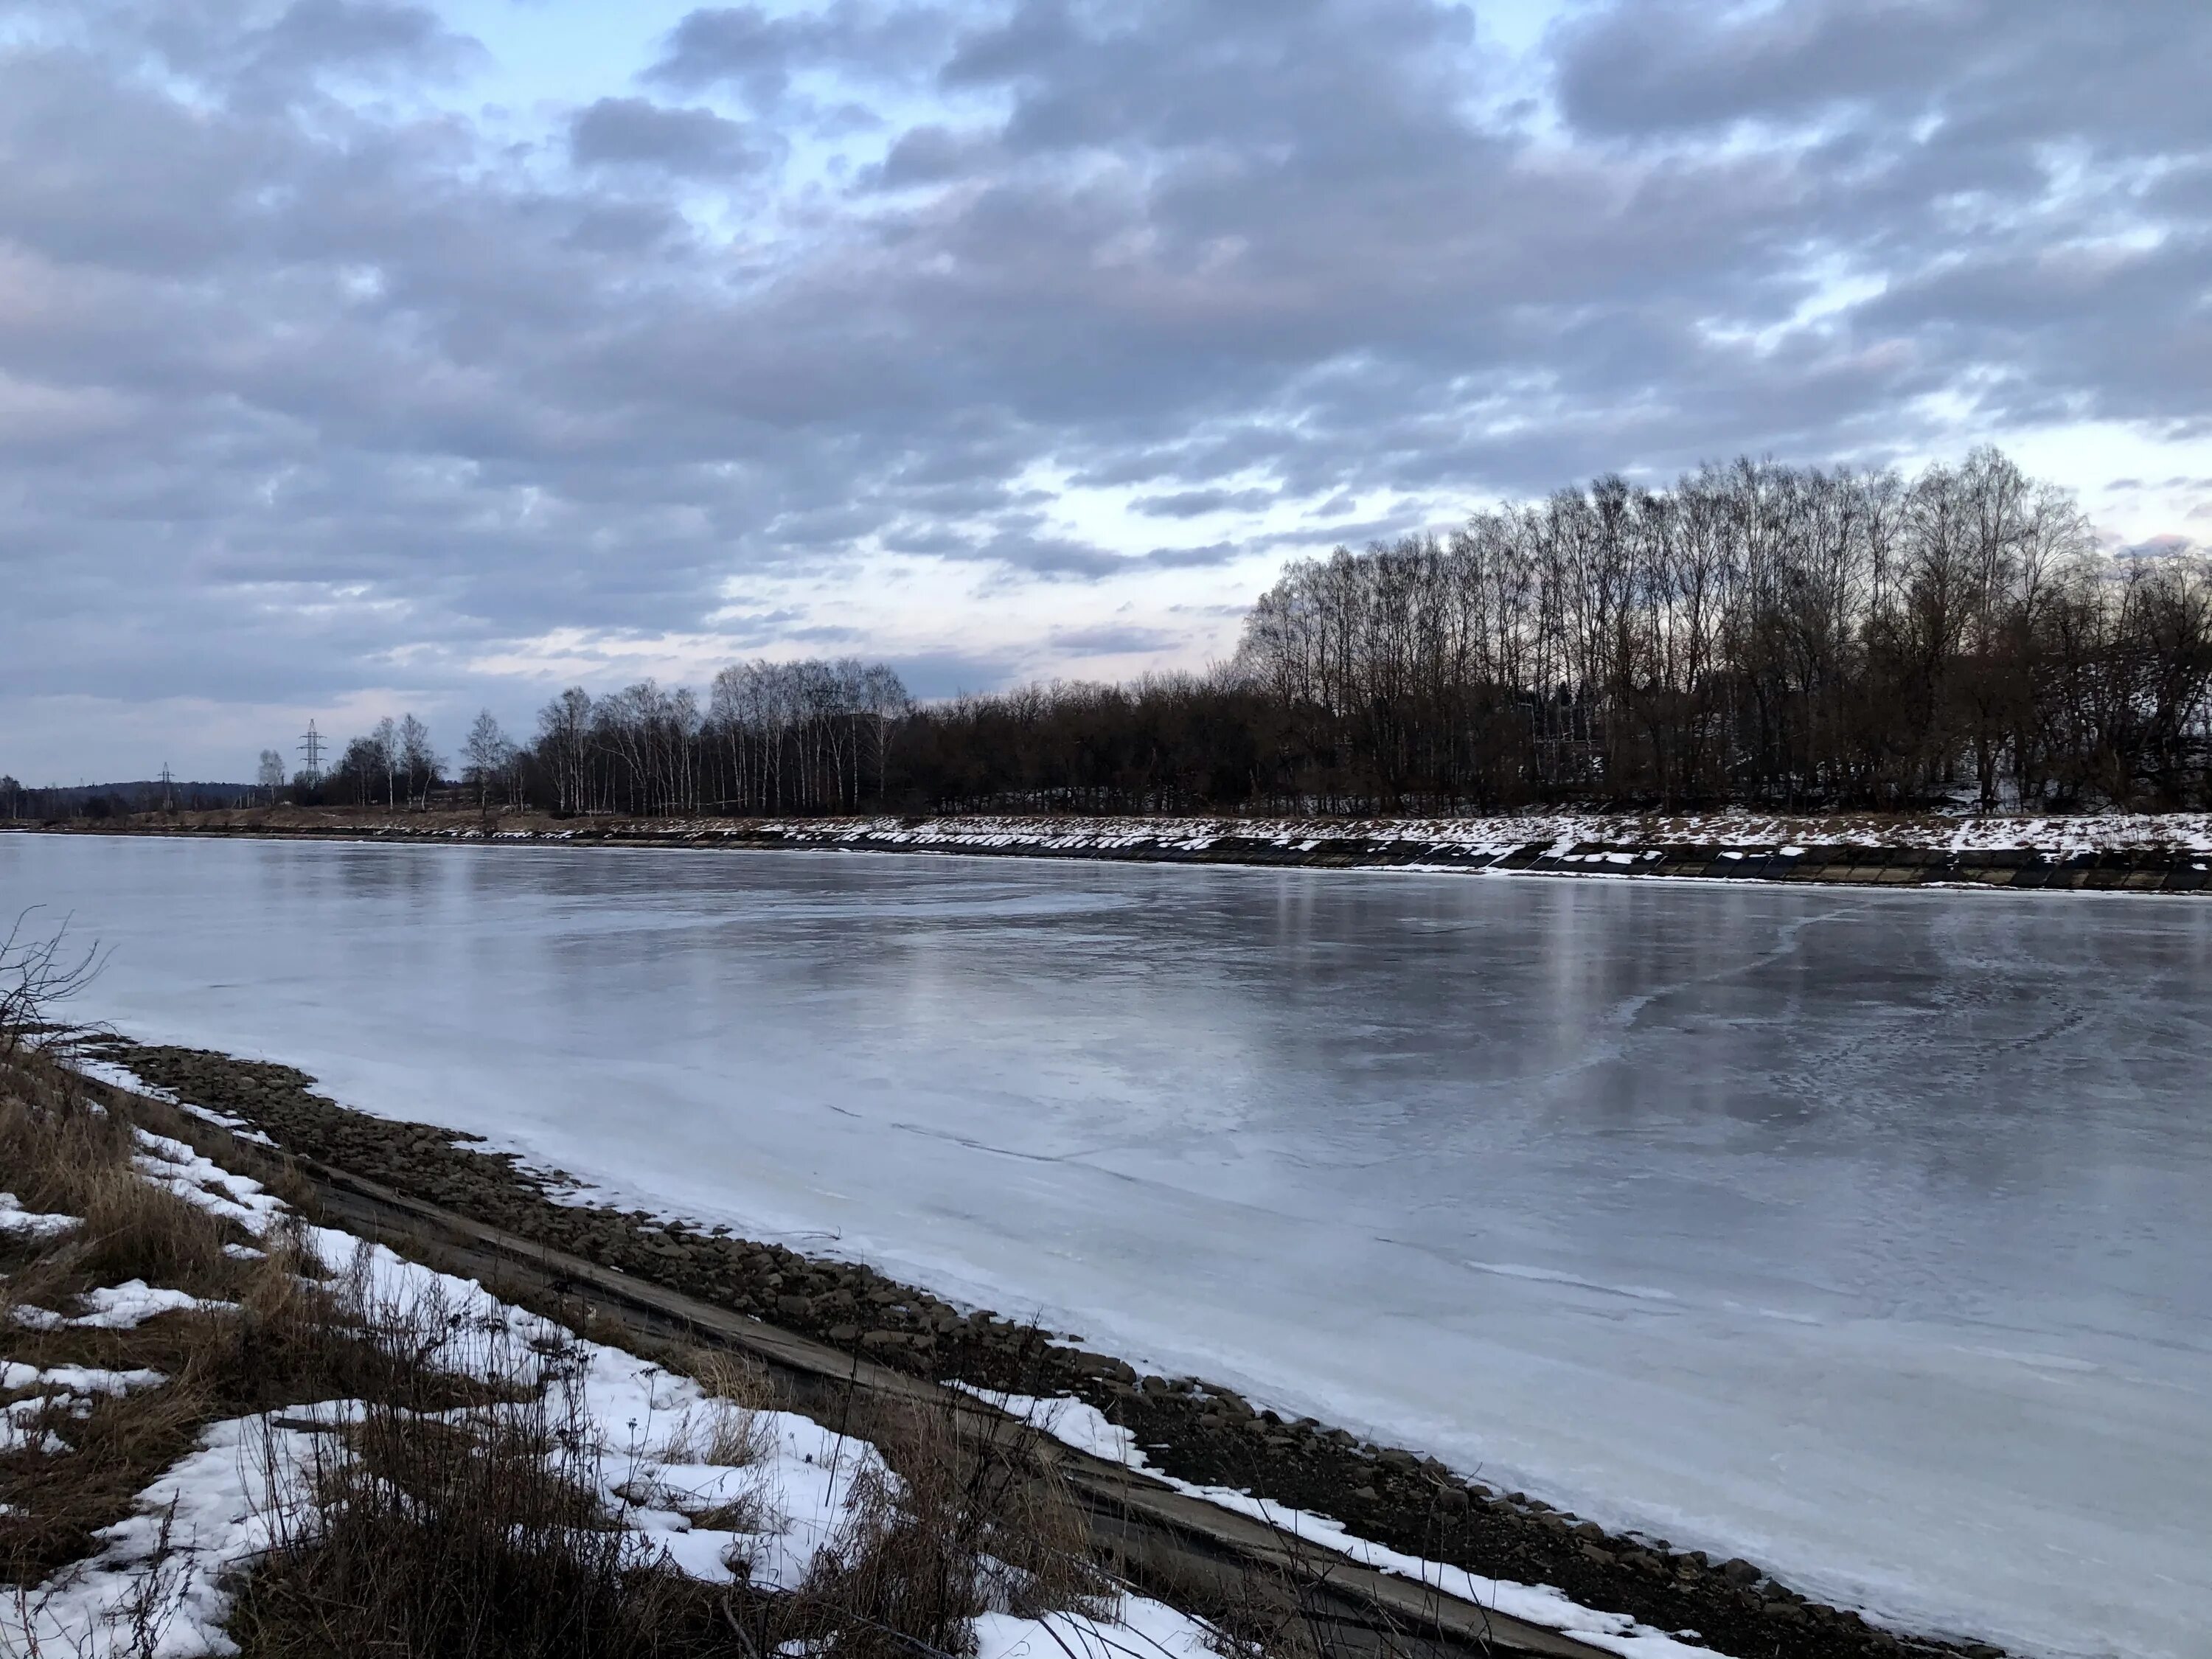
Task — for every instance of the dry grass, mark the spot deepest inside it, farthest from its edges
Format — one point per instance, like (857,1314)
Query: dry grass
(56,1148)
(728,1430)
(965,1520)
(135,1230)
(459,1514)
(478,1533)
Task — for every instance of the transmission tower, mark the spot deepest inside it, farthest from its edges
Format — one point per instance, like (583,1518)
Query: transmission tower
(312,747)
(168,790)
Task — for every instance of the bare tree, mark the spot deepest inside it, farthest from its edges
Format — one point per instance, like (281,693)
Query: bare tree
(423,765)
(383,745)
(883,699)
(37,972)
(489,755)
(271,776)
(564,729)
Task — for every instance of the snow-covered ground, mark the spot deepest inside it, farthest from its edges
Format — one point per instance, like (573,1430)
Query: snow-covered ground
(1083,1426)
(2051,835)
(648,1436)
(1865,1235)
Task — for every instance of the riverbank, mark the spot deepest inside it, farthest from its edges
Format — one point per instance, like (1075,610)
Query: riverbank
(230,1428)
(1194,1432)
(2107,852)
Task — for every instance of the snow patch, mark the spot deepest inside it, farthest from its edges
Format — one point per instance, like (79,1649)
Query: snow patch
(1079,1423)
(15,1218)
(122,1307)
(176,1168)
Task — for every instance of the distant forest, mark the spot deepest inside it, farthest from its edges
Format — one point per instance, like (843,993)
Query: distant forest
(1756,634)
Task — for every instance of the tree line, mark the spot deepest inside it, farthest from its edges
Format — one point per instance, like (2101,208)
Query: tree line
(1783,636)
(1753,634)
(809,738)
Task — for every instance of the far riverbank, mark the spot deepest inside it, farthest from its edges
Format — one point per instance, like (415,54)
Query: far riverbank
(2103,852)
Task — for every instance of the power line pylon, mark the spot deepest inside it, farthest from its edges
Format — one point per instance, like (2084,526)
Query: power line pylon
(312,747)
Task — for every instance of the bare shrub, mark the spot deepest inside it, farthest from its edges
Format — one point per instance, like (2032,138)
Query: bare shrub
(473,1529)
(963,1521)
(39,971)
(726,1428)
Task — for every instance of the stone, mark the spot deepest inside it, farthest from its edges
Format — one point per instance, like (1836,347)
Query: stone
(1740,1573)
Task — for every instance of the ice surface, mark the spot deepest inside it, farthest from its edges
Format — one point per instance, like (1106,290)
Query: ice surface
(1865,1234)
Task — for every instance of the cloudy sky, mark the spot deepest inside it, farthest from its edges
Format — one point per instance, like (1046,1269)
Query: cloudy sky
(358,355)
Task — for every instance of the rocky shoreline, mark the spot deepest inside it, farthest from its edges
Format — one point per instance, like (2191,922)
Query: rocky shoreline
(2111,853)
(1194,1430)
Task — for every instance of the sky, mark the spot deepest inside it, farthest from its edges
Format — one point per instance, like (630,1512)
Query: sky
(359,356)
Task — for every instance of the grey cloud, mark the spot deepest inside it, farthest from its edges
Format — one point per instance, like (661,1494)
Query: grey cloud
(2119,76)
(1059,557)
(931,154)
(1111,640)
(954,673)
(1678,66)
(636,132)
(360,36)
(293,390)
(1193,558)
(1191,503)
(757,52)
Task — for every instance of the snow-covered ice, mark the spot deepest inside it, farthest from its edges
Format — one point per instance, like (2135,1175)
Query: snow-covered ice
(1865,1234)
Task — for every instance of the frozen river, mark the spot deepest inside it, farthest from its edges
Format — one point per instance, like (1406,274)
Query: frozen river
(1868,1234)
